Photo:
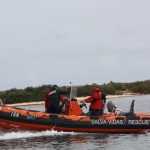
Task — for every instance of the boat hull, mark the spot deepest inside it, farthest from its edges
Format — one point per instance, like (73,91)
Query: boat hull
(12,125)
(20,119)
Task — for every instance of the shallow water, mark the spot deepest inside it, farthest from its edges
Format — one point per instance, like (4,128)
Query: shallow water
(75,141)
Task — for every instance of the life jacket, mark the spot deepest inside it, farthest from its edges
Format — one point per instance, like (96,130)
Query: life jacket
(54,99)
(97,101)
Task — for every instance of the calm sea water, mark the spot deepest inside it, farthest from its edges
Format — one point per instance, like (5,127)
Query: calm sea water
(47,140)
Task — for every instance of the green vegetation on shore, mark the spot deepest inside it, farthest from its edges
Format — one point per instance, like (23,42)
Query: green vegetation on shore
(34,94)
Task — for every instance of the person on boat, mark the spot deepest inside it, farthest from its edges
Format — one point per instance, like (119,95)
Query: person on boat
(95,100)
(65,105)
(53,99)
(55,102)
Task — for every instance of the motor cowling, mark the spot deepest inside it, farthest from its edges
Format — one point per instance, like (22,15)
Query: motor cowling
(111,107)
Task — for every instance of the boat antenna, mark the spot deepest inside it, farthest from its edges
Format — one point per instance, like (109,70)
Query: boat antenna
(73,91)
(1,102)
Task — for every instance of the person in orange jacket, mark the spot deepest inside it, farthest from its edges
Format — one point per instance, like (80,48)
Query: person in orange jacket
(95,100)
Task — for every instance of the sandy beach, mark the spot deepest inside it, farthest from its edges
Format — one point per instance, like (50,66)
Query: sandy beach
(78,98)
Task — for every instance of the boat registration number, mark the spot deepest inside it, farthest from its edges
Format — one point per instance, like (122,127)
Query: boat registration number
(14,114)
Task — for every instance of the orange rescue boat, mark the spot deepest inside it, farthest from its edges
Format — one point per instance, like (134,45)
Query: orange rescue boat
(75,121)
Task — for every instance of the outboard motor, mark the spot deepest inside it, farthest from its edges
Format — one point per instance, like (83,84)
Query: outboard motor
(111,107)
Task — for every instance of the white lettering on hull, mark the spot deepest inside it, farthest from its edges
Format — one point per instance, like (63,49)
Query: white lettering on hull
(120,122)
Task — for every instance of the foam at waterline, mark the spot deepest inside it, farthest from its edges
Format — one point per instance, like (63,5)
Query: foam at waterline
(28,134)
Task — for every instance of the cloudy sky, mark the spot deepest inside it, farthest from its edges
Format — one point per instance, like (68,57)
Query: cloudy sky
(83,41)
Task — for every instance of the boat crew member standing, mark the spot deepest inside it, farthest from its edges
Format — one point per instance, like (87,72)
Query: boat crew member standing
(53,99)
(96,101)
(56,102)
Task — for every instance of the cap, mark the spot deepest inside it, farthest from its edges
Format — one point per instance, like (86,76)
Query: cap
(55,87)
(50,87)
(96,87)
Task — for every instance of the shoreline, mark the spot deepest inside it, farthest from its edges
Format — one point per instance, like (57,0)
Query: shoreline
(78,98)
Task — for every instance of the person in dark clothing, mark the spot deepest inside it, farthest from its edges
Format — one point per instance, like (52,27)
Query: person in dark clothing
(55,102)
(53,99)
(96,101)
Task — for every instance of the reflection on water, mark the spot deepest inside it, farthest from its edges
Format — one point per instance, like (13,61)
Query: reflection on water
(47,140)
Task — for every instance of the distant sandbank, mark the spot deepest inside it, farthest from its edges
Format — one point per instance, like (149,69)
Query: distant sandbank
(78,98)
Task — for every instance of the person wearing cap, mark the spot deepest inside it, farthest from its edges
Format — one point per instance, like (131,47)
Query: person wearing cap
(55,102)
(53,99)
(95,100)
